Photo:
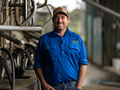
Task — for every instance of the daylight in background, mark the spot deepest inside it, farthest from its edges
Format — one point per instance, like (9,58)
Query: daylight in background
(75,9)
(70,4)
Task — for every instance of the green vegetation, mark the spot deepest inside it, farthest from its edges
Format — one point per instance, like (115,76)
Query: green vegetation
(74,24)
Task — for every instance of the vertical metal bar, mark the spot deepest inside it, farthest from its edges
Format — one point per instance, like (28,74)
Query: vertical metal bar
(118,10)
(11,46)
(0,11)
(5,19)
(17,13)
(23,17)
(0,20)
(11,23)
(1,38)
(26,9)
(6,13)
(32,14)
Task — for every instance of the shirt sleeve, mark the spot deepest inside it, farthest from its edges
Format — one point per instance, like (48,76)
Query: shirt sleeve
(38,57)
(83,54)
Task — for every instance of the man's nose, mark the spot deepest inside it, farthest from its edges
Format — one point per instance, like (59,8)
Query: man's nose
(59,19)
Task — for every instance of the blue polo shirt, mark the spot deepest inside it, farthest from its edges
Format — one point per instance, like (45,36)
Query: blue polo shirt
(60,57)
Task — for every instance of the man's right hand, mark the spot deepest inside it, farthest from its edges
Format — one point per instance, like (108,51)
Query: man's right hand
(48,87)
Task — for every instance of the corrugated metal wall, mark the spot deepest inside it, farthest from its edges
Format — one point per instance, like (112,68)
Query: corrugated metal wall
(90,14)
(101,46)
(111,33)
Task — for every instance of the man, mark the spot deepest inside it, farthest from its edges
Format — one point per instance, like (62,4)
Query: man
(61,57)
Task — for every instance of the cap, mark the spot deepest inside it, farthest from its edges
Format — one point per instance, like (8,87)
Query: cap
(60,9)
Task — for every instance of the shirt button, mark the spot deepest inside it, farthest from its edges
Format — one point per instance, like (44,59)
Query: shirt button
(62,52)
(62,44)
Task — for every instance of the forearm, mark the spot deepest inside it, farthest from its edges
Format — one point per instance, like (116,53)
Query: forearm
(82,73)
(40,75)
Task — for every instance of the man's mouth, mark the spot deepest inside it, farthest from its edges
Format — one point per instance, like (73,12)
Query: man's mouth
(60,24)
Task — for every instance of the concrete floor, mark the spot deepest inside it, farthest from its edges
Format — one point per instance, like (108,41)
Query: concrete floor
(20,82)
(95,74)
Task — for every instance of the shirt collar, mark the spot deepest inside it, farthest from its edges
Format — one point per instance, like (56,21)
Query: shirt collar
(66,33)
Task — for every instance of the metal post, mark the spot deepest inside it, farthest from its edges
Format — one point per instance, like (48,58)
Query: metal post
(0,20)
(1,38)
(6,13)
(17,13)
(26,9)
(31,15)
(11,23)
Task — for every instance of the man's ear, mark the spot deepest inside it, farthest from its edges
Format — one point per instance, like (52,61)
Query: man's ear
(68,19)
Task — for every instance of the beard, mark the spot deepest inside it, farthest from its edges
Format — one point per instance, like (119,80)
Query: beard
(60,27)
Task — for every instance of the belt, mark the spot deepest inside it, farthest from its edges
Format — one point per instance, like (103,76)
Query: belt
(66,83)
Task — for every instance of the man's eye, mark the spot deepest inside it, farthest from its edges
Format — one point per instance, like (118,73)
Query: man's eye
(56,17)
(63,17)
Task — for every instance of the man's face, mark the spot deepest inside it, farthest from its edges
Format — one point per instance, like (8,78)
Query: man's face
(60,21)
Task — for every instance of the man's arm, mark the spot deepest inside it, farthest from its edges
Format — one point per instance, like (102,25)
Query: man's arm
(82,73)
(45,85)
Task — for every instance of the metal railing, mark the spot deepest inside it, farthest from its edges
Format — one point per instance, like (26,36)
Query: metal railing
(17,9)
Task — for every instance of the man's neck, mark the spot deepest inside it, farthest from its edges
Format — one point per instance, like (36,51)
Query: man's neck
(61,32)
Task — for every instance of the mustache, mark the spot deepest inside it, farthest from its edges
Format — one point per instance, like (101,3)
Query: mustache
(59,23)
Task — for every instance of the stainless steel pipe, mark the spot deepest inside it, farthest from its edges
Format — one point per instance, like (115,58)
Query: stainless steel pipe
(6,13)
(32,14)
(39,6)
(18,28)
(16,41)
(103,8)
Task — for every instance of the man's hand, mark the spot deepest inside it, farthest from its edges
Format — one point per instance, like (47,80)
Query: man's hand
(48,87)
(45,85)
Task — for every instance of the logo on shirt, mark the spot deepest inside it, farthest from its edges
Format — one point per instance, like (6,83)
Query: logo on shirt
(75,41)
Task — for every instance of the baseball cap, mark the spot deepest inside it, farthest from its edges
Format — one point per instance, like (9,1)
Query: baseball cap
(60,9)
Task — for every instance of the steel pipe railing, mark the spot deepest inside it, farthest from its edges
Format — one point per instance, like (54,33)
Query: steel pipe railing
(12,67)
(18,28)
(17,13)
(26,13)
(31,15)
(103,8)
(51,15)
(16,41)
(31,35)
(11,23)
(39,35)
(26,28)
(27,18)
(6,13)
(18,21)
(3,61)
(16,5)
(39,6)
